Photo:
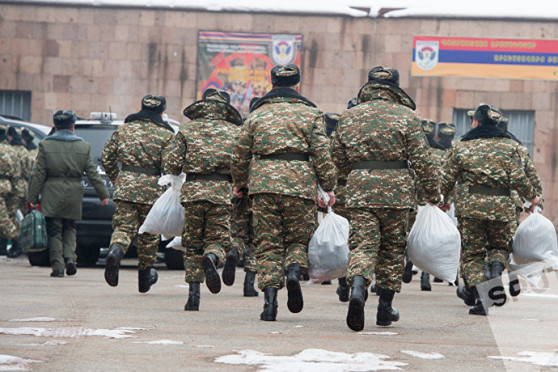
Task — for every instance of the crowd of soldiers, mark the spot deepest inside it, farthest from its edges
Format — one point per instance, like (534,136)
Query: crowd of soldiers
(377,162)
(17,154)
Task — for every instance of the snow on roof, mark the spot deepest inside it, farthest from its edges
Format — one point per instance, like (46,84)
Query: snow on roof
(499,9)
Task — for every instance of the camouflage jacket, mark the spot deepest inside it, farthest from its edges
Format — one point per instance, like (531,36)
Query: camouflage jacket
(439,155)
(532,174)
(10,169)
(139,142)
(205,145)
(26,164)
(484,157)
(283,122)
(382,129)
(341,189)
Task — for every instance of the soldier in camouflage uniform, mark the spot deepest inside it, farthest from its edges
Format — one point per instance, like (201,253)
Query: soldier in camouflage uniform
(203,151)
(21,185)
(376,140)
(281,134)
(488,164)
(10,173)
(140,144)
(62,160)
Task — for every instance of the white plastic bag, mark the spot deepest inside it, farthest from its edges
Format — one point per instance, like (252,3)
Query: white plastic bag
(166,217)
(176,243)
(328,249)
(535,239)
(434,243)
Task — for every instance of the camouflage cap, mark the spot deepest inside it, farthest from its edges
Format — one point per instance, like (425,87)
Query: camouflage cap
(428,126)
(156,104)
(64,118)
(216,95)
(27,135)
(285,76)
(14,131)
(384,73)
(487,114)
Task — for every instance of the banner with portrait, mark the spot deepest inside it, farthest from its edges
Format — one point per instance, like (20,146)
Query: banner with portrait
(240,63)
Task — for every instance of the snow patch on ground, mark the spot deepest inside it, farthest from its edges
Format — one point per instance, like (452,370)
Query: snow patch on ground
(38,319)
(12,363)
(160,342)
(418,354)
(299,326)
(69,332)
(312,360)
(205,346)
(544,359)
(274,333)
(543,295)
(182,286)
(378,333)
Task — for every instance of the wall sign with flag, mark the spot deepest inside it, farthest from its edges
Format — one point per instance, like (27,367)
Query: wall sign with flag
(486,58)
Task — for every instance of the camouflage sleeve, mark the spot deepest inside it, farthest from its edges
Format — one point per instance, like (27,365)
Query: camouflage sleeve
(339,155)
(321,156)
(450,173)
(174,153)
(518,179)
(423,163)
(38,177)
(242,155)
(95,178)
(531,172)
(109,157)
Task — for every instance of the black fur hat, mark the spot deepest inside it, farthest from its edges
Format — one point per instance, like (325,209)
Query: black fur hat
(64,119)
(487,114)
(285,76)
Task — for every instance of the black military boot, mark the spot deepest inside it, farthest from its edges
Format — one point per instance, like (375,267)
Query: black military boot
(269,312)
(212,279)
(3,247)
(386,313)
(466,294)
(425,282)
(70,266)
(408,272)
(295,301)
(113,264)
(343,290)
(193,303)
(514,287)
(375,289)
(230,267)
(58,273)
(146,278)
(478,308)
(249,290)
(355,315)
(15,250)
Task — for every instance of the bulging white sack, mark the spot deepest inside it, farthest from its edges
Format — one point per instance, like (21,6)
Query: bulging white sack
(434,243)
(535,239)
(166,217)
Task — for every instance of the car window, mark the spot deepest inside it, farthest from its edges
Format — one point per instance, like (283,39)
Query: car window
(97,136)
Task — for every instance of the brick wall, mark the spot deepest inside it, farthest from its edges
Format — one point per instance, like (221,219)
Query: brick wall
(90,59)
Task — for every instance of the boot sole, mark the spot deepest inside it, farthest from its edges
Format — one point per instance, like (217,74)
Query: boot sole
(229,271)
(251,294)
(295,302)
(111,271)
(355,316)
(268,318)
(212,279)
(71,268)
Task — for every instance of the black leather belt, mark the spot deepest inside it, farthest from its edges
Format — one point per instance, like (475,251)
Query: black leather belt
(142,170)
(286,156)
(489,191)
(341,182)
(208,177)
(380,164)
(5,177)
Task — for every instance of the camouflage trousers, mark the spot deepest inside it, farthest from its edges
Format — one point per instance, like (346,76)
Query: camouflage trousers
(377,245)
(61,241)
(283,226)
(9,228)
(483,241)
(127,219)
(206,230)
(242,232)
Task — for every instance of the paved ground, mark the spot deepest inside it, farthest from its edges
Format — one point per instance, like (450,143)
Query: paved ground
(85,325)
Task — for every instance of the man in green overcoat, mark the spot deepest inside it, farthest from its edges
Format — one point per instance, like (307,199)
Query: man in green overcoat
(62,159)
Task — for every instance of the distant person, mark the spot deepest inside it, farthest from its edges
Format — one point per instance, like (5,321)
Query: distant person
(61,162)
(10,172)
